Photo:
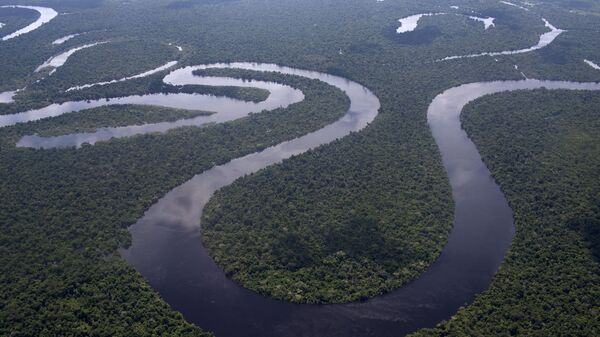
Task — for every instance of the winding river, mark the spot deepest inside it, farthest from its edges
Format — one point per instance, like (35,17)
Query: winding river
(226,109)
(167,248)
(545,39)
(46,15)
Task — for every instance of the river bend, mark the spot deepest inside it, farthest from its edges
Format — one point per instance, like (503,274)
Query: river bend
(226,109)
(46,15)
(167,247)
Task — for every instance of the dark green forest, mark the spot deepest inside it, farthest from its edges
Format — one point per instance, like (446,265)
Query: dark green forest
(374,207)
(300,232)
(543,147)
(61,274)
(15,18)
(112,116)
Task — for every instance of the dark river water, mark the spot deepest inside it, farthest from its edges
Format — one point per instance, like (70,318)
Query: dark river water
(167,248)
(168,251)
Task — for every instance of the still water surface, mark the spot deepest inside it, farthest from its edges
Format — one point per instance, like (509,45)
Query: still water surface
(168,251)
(226,109)
(46,15)
(167,248)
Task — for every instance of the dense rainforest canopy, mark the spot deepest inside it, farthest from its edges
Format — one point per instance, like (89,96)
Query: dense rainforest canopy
(374,207)
(543,147)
